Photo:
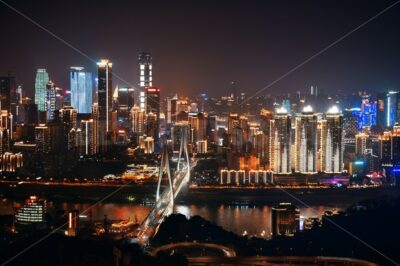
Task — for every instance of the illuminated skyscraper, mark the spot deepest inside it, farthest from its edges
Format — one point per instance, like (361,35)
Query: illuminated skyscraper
(171,109)
(306,141)
(145,68)
(153,106)
(388,109)
(88,141)
(50,100)
(331,142)
(350,126)
(104,93)
(280,137)
(137,118)
(42,78)
(145,77)
(7,89)
(81,85)
(42,139)
(125,104)
(363,142)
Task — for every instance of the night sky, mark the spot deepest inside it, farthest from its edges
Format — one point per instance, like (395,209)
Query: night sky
(200,46)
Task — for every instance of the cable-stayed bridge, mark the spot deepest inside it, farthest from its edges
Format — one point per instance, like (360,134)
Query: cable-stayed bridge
(164,204)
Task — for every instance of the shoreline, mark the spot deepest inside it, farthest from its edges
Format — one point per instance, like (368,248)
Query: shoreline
(140,194)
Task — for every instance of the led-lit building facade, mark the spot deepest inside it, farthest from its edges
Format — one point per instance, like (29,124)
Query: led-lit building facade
(331,142)
(7,91)
(137,120)
(42,78)
(145,77)
(306,141)
(280,142)
(33,212)
(50,100)
(388,109)
(125,104)
(153,107)
(81,86)
(104,108)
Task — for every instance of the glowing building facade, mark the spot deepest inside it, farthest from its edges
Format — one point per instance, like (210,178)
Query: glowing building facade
(306,141)
(331,142)
(42,78)
(104,108)
(280,142)
(81,85)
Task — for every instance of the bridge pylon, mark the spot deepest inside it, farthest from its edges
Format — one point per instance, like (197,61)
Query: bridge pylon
(164,168)
(183,148)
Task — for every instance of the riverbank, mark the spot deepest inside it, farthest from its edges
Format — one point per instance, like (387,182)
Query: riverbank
(145,193)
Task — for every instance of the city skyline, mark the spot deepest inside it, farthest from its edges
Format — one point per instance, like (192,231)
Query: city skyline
(189,64)
(199,132)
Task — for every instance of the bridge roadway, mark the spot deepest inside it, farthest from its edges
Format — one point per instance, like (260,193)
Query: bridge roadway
(164,206)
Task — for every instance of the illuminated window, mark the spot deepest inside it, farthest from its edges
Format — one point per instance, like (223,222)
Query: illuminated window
(141,78)
(142,83)
(141,72)
(141,67)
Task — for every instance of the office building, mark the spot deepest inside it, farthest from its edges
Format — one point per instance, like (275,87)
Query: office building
(388,109)
(41,81)
(125,104)
(153,106)
(81,86)
(104,107)
(8,99)
(171,109)
(50,100)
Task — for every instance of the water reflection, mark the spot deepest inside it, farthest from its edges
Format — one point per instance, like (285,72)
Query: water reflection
(255,220)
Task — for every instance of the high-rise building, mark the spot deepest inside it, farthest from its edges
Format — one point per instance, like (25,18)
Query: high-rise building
(388,109)
(88,137)
(50,100)
(145,70)
(151,123)
(138,119)
(285,219)
(145,77)
(81,85)
(41,81)
(68,121)
(104,95)
(331,142)
(7,90)
(363,143)
(153,106)
(306,141)
(125,104)
(385,148)
(280,138)
(350,126)
(42,139)
(171,109)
